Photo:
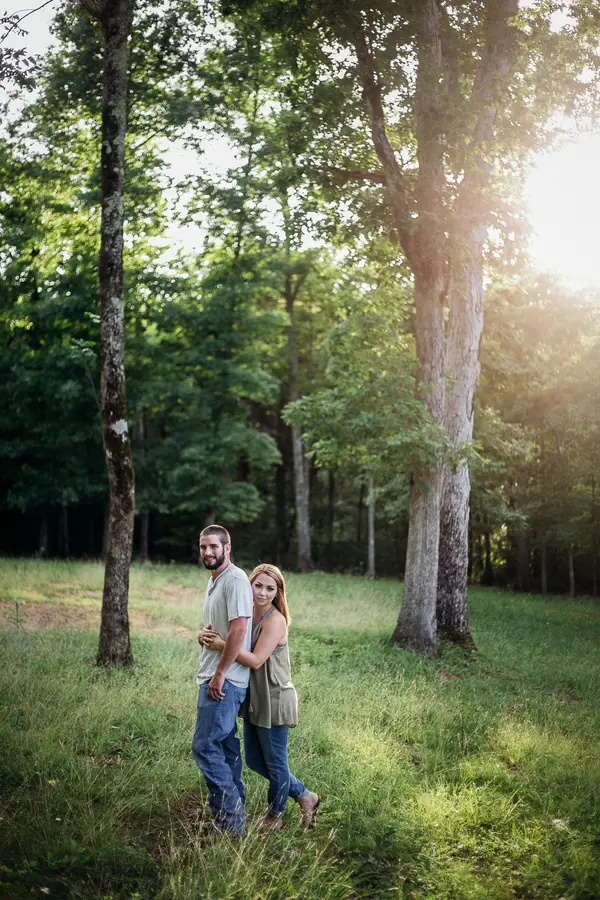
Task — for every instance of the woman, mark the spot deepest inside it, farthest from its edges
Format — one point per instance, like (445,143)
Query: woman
(273,705)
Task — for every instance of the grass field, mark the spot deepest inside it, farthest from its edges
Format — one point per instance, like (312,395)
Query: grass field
(473,776)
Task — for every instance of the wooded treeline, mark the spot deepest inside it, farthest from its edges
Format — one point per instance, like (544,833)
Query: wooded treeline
(271,373)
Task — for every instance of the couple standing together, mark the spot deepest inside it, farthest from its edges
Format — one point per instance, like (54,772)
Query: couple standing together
(244,645)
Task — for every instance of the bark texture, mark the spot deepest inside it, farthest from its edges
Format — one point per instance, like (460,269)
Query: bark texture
(465,320)
(465,328)
(114,645)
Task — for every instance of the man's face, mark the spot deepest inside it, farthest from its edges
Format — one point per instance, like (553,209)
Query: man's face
(213,553)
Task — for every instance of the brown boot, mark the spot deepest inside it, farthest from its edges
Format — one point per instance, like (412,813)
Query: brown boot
(309,804)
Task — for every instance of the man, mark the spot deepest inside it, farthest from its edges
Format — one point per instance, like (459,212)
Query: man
(223,682)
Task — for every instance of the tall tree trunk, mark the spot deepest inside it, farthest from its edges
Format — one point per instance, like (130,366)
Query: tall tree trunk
(417,625)
(330,518)
(544,568)
(488,572)
(523,570)
(359,514)
(301,473)
(465,321)
(523,544)
(145,512)
(571,572)
(114,646)
(465,326)
(43,538)
(371,508)
(302,494)
(423,247)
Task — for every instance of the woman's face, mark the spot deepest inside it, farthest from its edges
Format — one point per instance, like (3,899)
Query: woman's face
(264,589)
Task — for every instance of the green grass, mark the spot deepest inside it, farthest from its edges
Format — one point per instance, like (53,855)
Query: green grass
(473,776)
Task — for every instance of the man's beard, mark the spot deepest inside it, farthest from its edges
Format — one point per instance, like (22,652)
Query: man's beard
(214,563)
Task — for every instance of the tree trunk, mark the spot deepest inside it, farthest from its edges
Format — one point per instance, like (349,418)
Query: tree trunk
(359,514)
(417,626)
(371,507)
(63,531)
(488,571)
(571,573)
(544,568)
(114,646)
(302,494)
(595,573)
(465,326)
(523,572)
(425,245)
(145,512)
(330,518)
(301,473)
(43,538)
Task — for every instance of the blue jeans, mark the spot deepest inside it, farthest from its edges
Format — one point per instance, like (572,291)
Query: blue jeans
(266,753)
(216,749)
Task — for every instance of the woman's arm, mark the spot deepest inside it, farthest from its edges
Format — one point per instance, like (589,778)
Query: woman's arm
(272,633)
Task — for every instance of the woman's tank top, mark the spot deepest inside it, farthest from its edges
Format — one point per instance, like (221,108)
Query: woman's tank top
(273,699)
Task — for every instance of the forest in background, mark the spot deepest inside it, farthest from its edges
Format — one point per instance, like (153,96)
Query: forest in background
(294,317)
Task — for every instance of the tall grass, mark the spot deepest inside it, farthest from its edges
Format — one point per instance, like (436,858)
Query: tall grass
(473,776)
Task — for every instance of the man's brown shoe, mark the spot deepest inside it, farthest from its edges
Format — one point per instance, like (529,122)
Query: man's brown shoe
(309,804)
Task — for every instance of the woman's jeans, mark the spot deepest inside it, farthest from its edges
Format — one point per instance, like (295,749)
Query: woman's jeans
(266,753)
(217,752)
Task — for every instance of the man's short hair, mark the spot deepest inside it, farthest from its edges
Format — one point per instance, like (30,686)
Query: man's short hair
(222,533)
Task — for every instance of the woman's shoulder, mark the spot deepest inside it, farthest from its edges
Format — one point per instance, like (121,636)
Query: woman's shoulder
(275,619)
(275,624)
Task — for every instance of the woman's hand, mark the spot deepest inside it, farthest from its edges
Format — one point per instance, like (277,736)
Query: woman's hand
(209,638)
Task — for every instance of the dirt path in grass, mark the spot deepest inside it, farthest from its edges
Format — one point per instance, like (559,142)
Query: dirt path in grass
(81,618)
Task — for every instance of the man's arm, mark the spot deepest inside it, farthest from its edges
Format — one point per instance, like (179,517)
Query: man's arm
(272,634)
(233,645)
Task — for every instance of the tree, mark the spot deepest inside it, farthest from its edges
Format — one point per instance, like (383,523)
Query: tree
(115,17)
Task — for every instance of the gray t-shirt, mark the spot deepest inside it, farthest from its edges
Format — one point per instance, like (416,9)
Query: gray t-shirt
(228,596)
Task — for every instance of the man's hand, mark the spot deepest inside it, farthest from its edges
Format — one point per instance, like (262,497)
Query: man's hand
(215,687)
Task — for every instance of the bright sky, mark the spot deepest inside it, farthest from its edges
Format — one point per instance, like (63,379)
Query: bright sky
(562,189)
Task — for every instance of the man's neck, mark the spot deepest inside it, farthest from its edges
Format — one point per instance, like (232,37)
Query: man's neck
(214,575)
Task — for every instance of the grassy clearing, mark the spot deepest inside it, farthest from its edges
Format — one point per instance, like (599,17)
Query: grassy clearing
(474,776)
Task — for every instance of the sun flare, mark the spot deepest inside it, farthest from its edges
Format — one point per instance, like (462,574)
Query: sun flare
(563,194)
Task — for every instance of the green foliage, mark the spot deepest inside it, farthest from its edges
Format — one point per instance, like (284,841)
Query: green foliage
(367,420)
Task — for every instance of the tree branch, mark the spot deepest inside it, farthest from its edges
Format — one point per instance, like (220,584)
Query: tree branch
(486,95)
(16,19)
(356,175)
(94,7)
(428,129)
(394,179)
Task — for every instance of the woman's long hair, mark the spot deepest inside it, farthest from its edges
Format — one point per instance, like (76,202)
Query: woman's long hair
(280,601)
